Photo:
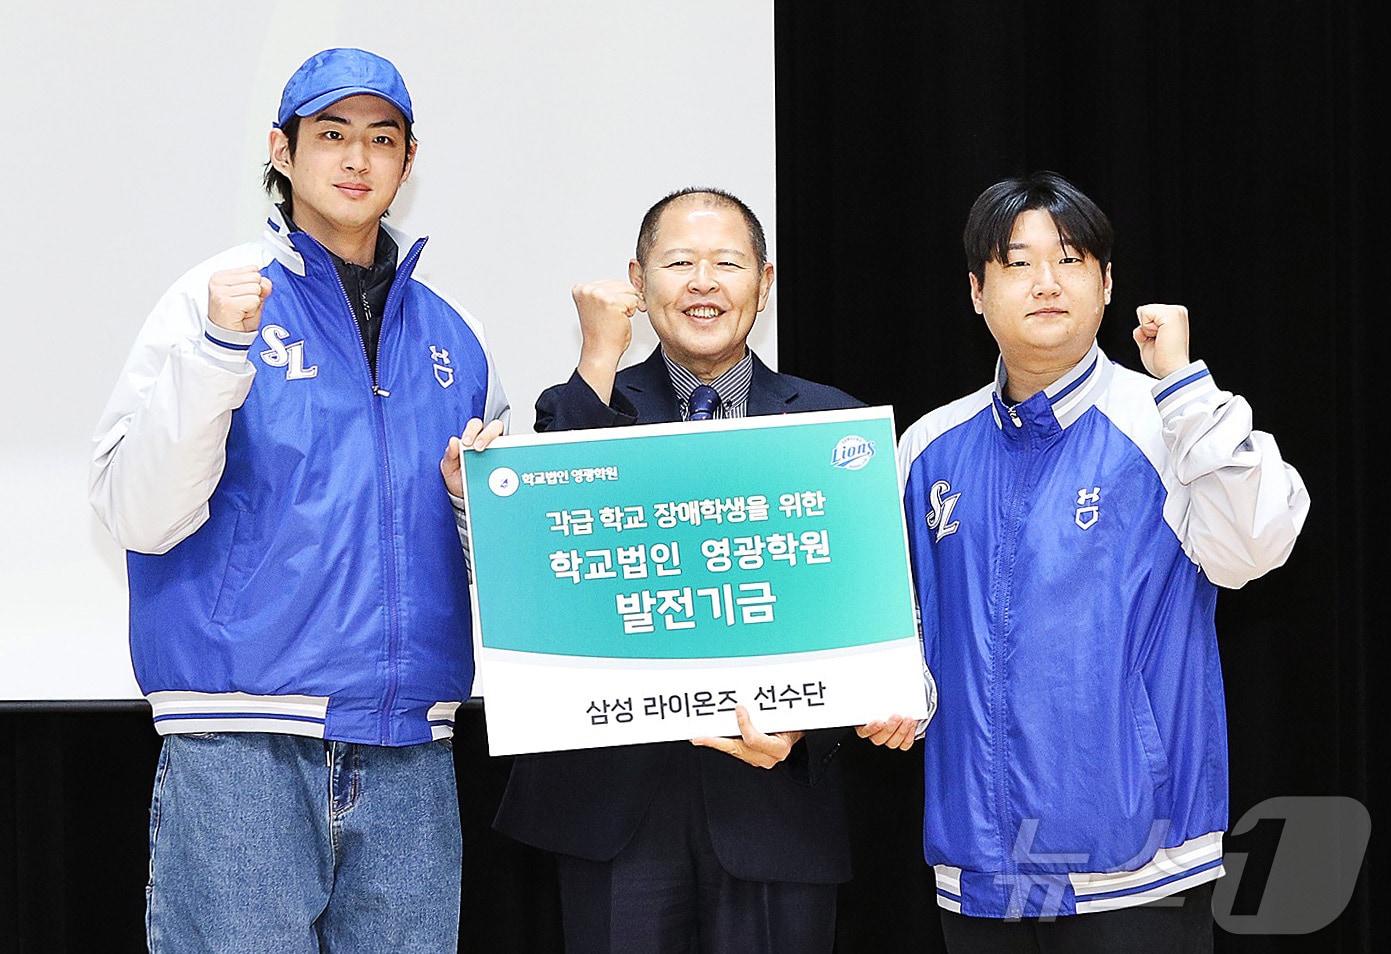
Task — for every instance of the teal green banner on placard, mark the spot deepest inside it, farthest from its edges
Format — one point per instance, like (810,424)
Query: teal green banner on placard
(697,541)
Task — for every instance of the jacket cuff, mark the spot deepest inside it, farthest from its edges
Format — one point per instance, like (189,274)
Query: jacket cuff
(1181,388)
(225,346)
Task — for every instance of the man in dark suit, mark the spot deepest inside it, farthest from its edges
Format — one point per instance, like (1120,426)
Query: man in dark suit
(729,845)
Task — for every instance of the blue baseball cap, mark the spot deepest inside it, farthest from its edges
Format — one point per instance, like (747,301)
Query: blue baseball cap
(336,74)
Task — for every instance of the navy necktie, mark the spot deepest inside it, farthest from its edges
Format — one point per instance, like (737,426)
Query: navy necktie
(704,400)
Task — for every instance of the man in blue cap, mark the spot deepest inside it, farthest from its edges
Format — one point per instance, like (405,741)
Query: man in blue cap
(299,612)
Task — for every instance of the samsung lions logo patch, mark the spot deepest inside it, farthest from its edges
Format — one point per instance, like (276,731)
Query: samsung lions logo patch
(939,517)
(278,354)
(852,452)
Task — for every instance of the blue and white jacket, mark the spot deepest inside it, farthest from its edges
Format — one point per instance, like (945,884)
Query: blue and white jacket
(293,557)
(1066,555)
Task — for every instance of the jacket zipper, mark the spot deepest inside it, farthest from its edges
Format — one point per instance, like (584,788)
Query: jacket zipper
(377,389)
(1005,577)
(403,268)
(393,618)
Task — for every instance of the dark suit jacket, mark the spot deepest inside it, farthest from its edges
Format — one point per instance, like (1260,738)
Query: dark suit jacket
(786,823)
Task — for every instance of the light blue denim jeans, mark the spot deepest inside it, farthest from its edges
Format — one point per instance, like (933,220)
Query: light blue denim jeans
(280,844)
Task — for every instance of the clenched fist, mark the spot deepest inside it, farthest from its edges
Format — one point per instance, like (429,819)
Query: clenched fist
(606,309)
(235,298)
(1162,335)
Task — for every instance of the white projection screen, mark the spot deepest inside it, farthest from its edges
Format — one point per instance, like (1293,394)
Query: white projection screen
(546,129)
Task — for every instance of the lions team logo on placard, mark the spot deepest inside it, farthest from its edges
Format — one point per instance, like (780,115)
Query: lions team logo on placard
(852,452)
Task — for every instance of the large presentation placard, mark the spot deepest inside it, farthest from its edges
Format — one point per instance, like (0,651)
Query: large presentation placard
(633,584)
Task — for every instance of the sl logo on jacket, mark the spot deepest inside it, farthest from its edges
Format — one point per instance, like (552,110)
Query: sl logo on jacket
(290,357)
(939,517)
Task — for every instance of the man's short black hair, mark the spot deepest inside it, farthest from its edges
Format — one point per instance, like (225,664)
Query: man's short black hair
(647,232)
(276,181)
(1082,226)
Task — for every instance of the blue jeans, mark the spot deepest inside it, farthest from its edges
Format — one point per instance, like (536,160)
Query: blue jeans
(281,844)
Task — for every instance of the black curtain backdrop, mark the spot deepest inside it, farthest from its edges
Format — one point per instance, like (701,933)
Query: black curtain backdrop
(1232,149)
(1231,146)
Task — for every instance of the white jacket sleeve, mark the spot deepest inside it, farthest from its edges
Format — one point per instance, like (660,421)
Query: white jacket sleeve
(496,406)
(161,443)
(1243,506)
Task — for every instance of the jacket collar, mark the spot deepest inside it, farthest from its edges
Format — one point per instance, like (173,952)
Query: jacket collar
(290,248)
(1069,397)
